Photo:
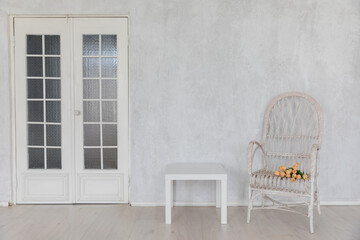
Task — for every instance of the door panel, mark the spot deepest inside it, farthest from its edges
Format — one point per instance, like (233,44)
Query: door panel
(42,85)
(101,96)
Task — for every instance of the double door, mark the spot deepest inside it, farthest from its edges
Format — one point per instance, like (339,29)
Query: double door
(71,110)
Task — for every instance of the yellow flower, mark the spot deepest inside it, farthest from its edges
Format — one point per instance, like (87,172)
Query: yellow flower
(277,173)
(294,175)
(293,179)
(298,176)
(305,176)
(282,174)
(282,168)
(288,171)
(297,164)
(294,171)
(287,175)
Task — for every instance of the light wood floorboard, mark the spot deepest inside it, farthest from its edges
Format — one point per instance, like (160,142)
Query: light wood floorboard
(106,222)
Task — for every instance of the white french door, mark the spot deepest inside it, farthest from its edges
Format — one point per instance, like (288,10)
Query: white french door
(71,106)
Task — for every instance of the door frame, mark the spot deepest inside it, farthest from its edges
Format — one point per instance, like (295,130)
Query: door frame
(11,46)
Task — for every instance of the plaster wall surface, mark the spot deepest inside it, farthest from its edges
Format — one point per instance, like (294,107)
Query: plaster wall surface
(201,75)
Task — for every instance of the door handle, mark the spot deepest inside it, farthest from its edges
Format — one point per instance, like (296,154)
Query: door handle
(77,112)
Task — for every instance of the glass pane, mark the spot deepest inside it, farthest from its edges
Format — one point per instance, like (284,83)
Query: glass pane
(53,135)
(34,44)
(53,158)
(53,111)
(110,158)
(53,88)
(91,89)
(91,67)
(36,158)
(36,134)
(91,45)
(108,45)
(109,112)
(92,158)
(52,44)
(91,111)
(35,111)
(34,67)
(91,134)
(109,135)
(108,67)
(35,88)
(108,89)
(52,67)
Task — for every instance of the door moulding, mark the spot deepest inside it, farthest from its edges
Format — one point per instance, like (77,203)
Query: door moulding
(11,59)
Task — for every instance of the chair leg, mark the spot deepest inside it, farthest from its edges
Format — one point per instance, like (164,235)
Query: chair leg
(317,196)
(249,205)
(311,216)
(311,211)
(318,203)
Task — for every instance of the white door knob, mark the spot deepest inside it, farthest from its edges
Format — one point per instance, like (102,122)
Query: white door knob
(77,113)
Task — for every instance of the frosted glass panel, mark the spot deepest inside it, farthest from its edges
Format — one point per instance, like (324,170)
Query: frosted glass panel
(35,111)
(110,158)
(53,135)
(53,111)
(91,111)
(35,88)
(109,111)
(91,89)
(91,45)
(91,67)
(34,44)
(53,158)
(52,44)
(36,134)
(53,88)
(108,45)
(52,67)
(36,158)
(34,67)
(109,135)
(109,67)
(91,134)
(108,89)
(92,158)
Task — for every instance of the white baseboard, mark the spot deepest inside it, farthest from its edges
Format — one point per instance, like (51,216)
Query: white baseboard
(232,204)
(4,204)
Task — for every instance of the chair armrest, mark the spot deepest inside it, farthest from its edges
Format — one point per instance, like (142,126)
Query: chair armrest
(251,153)
(313,160)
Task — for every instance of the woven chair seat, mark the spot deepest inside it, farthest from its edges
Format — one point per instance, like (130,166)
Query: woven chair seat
(266,180)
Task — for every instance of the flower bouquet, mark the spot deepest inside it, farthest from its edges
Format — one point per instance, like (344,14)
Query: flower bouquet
(291,172)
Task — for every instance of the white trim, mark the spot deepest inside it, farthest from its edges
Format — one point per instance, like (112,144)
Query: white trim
(4,204)
(69,15)
(13,167)
(340,203)
(232,204)
(11,59)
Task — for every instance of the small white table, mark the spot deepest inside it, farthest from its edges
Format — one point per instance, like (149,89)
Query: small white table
(196,171)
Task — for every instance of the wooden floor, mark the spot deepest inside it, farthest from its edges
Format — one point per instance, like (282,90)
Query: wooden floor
(100,222)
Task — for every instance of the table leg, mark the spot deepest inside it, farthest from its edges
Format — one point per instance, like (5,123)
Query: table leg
(223,201)
(168,187)
(218,193)
(172,193)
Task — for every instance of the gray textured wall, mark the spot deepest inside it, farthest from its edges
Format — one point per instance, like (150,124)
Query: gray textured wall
(202,73)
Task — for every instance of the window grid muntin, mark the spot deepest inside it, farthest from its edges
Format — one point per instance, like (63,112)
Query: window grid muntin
(44,123)
(99,100)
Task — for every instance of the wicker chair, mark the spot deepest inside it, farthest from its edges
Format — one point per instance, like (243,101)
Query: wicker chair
(293,127)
